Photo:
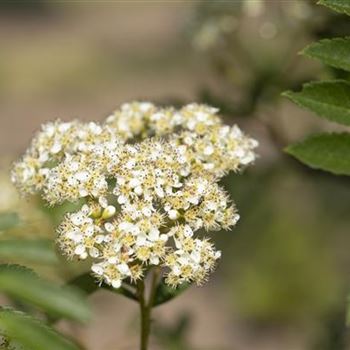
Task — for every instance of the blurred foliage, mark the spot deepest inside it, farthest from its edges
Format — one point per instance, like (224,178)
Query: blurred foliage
(175,336)
(34,7)
(30,219)
(328,151)
(24,332)
(278,277)
(36,300)
(250,47)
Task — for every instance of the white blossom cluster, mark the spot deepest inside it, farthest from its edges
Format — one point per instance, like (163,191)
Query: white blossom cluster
(148,177)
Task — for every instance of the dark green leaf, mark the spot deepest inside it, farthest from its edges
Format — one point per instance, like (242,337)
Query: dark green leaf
(23,284)
(84,282)
(342,6)
(334,52)
(88,284)
(330,152)
(8,220)
(328,99)
(30,333)
(165,293)
(36,251)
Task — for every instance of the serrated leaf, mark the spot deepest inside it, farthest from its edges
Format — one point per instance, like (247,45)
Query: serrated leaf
(8,220)
(23,284)
(30,333)
(342,6)
(165,293)
(330,152)
(328,99)
(35,251)
(333,52)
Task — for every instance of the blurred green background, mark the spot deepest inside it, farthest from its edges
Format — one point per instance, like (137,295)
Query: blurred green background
(283,279)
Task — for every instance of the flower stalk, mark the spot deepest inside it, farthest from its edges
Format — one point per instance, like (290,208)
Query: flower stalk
(146,307)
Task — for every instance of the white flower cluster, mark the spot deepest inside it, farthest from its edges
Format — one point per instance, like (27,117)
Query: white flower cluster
(149,178)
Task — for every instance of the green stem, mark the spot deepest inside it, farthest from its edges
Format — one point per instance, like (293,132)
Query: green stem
(146,308)
(145,317)
(155,280)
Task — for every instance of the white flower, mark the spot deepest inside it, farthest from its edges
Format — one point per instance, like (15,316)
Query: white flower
(149,177)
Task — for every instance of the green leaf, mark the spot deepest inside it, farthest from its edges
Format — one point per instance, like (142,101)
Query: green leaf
(334,52)
(30,333)
(21,283)
(165,293)
(342,6)
(85,282)
(330,152)
(8,220)
(36,251)
(328,99)
(89,285)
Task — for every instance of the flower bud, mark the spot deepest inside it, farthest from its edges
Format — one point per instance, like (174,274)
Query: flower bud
(108,212)
(96,212)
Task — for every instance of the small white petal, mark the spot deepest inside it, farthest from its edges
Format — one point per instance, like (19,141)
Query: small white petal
(97,269)
(218,254)
(196,257)
(99,239)
(154,260)
(116,283)
(141,240)
(85,209)
(176,270)
(188,231)
(120,181)
(159,192)
(134,183)
(77,219)
(124,269)
(90,230)
(77,237)
(208,150)
(173,214)
(122,199)
(134,230)
(112,259)
(130,164)
(83,192)
(147,212)
(73,166)
(94,252)
(138,190)
(103,202)
(193,200)
(109,227)
(79,249)
(163,237)
(153,234)
(56,148)
(82,176)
